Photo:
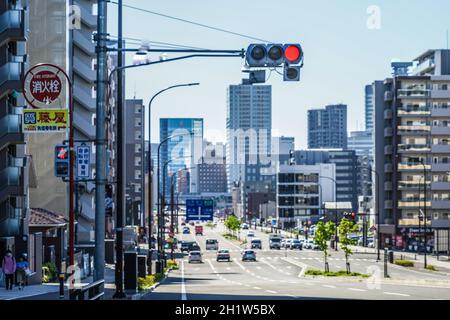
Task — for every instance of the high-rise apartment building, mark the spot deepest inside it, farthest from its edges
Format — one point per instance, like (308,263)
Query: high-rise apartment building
(412,134)
(327,128)
(249,129)
(368,103)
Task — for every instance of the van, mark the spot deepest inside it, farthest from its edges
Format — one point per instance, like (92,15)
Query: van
(212,244)
(256,244)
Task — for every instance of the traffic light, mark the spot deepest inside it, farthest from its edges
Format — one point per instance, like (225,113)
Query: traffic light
(291,73)
(62,161)
(273,55)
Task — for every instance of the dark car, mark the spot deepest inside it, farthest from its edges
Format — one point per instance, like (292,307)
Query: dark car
(194,247)
(256,244)
(185,245)
(186,230)
(296,244)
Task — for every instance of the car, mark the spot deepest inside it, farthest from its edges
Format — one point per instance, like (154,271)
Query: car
(249,255)
(256,244)
(296,244)
(185,245)
(275,243)
(310,244)
(195,256)
(250,234)
(198,230)
(183,223)
(244,226)
(186,230)
(286,243)
(212,244)
(194,247)
(192,223)
(223,254)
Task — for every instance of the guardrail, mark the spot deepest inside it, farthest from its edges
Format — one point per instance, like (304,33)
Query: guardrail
(95,291)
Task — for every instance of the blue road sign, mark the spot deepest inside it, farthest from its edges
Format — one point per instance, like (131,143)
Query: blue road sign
(83,162)
(199,210)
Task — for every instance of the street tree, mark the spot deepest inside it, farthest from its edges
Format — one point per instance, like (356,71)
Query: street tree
(347,227)
(322,235)
(232,224)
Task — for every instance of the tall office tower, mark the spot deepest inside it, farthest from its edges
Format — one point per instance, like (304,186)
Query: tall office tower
(369,107)
(346,163)
(327,128)
(14,163)
(183,149)
(70,46)
(134,161)
(249,130)
(361,142)
(282,147)
(412,134)
(212,174)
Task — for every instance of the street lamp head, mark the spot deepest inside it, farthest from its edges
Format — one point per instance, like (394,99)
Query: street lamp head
(194,84)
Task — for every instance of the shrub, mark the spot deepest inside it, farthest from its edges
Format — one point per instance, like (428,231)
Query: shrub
(149,281)
(172,264)
(431,268)
(341,273)
(404,263)
(49,272)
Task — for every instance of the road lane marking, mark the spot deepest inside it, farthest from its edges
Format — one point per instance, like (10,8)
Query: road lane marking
(183,285)
(240,265)
(397,294)
(271,291)
(356,289)
(329,286)
(298,264)
(257,288)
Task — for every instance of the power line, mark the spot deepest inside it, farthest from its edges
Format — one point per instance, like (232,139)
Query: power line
(159,43)
(192,22)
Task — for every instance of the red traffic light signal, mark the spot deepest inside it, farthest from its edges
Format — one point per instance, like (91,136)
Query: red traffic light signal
(62,152)
(293,53)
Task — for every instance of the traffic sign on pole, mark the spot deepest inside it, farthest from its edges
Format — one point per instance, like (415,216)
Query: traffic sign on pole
(199,210)
(83,162)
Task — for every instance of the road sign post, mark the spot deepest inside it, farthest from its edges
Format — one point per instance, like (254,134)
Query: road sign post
(199,210)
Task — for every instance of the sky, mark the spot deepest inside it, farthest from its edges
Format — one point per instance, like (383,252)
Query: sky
(346,47)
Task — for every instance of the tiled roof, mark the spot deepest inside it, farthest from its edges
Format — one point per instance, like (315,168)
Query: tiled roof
(42,217)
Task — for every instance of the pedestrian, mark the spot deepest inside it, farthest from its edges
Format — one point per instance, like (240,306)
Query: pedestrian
(22,270)
(9,268)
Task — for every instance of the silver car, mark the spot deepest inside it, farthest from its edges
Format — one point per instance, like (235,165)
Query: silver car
(195,256)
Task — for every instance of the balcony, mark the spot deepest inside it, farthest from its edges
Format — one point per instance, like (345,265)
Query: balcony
(413,112)
(84,126)
(84,43)
(412,167)
(440,186)
(440,204)
(388,167)
(388,132)
(388,96)
(414,129)
(440,94)
(440,112)
(83,70)
(84,98)
(12,26)
(388,204)
(413,148)
(10,181)
(440,167)
(10,221)
(415,203)
(411,185)
(440,131)
(387,150)
(88,18)
(424,67)
(388,186)
(11,130)
(10,76)
(388,114)
(413,93)
(440,148)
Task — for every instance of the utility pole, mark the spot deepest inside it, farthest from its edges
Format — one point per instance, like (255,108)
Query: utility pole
(100,154)
(119,294)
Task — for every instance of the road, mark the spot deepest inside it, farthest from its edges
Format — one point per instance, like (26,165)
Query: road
(279,274)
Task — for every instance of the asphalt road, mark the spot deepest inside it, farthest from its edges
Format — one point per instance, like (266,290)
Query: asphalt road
(279,274)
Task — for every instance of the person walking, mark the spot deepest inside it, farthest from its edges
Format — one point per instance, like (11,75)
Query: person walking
(22,270)
(9,269)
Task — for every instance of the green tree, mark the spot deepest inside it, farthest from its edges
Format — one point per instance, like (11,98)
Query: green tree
(232,224)
(346,227)
(323,234)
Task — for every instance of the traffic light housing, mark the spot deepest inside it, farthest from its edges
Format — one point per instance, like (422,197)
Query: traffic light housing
(273,55)
(62,159)
(291,73)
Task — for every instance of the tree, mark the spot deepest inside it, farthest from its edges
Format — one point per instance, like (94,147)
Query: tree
(346,227)
(232,224)
(323,234)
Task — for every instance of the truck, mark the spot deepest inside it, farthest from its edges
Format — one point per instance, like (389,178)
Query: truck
(198,230)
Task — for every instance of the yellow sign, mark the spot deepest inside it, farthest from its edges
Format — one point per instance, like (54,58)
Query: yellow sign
(45,120)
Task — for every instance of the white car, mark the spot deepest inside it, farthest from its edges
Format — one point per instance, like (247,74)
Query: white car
(310,244)
(286,243)
(195,256)
(212,244)
(250,234)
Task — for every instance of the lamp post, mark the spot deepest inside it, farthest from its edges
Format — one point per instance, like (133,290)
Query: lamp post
(150,180)
(335,212)
(424,213)
(377,177)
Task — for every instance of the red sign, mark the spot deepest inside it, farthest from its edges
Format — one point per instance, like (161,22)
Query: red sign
(45,86)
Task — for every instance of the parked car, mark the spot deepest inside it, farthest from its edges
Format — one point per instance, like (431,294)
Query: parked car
(195,256)
(249,255)
(212,244)
(296,244)
(223,254)
(256,244)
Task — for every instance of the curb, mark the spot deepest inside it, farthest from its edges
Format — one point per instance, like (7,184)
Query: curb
(138,296)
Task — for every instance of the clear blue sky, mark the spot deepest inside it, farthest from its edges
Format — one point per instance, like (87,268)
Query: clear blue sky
(341,53)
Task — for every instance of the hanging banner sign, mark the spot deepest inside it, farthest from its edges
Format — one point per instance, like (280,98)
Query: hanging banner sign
(45,121)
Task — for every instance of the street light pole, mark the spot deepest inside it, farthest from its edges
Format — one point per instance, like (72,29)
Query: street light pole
(377,200)
(150,168)
(335,211)
(424,214)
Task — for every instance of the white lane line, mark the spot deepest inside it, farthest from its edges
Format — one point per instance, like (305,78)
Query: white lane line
(397,294)
(298,264)
(271,291)
(183,285)
(240,265)
(257,288)
(329,286)
(270,265)
(356,289)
